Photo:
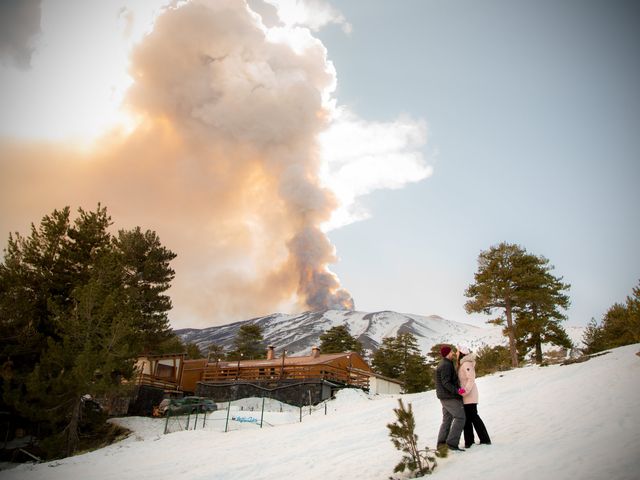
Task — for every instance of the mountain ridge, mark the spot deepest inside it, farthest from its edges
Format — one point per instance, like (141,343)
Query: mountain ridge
(298,333)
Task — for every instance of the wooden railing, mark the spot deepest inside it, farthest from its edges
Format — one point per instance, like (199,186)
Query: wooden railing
(229,373)
(153,381)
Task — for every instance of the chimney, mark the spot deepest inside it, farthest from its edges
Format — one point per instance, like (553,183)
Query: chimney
(270,352)
(315,352)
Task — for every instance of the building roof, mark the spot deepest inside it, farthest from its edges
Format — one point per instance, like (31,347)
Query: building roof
(377,375)
(306,360)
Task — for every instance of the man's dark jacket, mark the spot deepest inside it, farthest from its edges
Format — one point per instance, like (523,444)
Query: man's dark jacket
(447,383)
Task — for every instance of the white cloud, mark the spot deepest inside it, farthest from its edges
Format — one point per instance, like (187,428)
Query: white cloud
(313,14)
(361,157)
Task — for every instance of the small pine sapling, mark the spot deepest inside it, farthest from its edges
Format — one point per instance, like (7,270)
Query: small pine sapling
(418,462)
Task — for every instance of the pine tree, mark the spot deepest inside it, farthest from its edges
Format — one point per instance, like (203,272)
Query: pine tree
(215,351)
(520,286)
(338,339)
(193,351)
(149,276)
(403,436)
(387,359)
(496,286)
(633,315)
(620,326)
(248,343)
(593,338)
(89,238)
(633,308)
(95,350)
(36,273)
(418,377)
(74,316)
(538,315)
(399,357)
(492,359)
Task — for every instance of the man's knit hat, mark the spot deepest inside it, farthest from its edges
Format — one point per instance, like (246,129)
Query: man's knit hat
(445,350)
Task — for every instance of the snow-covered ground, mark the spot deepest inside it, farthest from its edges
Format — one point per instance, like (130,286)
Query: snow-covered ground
(577,421)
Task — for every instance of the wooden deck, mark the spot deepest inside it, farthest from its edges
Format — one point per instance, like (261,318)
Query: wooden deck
(154,381)
(229,373)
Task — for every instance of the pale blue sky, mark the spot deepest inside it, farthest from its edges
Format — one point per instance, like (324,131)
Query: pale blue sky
(533,111)
(533,116)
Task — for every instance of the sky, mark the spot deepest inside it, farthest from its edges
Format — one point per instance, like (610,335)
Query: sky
(559,437)
(305,155)
(533,112)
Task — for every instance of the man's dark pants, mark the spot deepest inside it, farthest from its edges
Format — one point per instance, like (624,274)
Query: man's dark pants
(453,420)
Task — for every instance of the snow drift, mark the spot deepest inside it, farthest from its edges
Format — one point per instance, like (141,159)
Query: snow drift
(576,421)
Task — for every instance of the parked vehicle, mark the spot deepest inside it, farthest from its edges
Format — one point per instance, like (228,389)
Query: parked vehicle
(177,406)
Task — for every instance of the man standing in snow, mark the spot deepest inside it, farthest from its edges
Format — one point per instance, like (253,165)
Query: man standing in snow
(449,393)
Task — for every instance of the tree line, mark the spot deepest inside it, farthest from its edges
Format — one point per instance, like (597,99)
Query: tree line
(78,304)
(619,326)
(530,302)
(518,285)
(397,357)
(248,344)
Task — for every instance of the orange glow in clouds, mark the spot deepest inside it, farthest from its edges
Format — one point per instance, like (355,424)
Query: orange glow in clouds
(222,164)
(214,129)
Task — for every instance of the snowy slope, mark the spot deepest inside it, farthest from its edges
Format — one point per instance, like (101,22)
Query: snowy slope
(298,333)
(577,422)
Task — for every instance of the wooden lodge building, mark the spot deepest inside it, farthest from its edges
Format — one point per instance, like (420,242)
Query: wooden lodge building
(293,380)
(157,377)
(296,380)
(161,371)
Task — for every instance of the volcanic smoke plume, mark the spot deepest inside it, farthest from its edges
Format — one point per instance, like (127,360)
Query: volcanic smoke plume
(223,163)
(236,152)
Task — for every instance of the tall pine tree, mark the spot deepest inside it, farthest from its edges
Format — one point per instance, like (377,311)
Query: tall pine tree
(149,275)
(541,299)
(521,288)
(76,310)
(399,357)
(496,286)
(619,326)
(338,339)
(248,343)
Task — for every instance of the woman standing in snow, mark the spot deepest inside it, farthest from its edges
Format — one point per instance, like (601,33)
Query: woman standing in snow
(467,376)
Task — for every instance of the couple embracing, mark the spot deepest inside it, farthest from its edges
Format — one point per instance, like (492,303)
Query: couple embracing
(457,391)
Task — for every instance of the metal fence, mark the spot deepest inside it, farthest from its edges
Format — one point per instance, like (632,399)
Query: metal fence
(254,413)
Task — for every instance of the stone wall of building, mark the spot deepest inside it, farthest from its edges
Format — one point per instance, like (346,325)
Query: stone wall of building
(298,393)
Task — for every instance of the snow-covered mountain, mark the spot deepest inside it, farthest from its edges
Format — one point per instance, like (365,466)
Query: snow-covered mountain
(298,333)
